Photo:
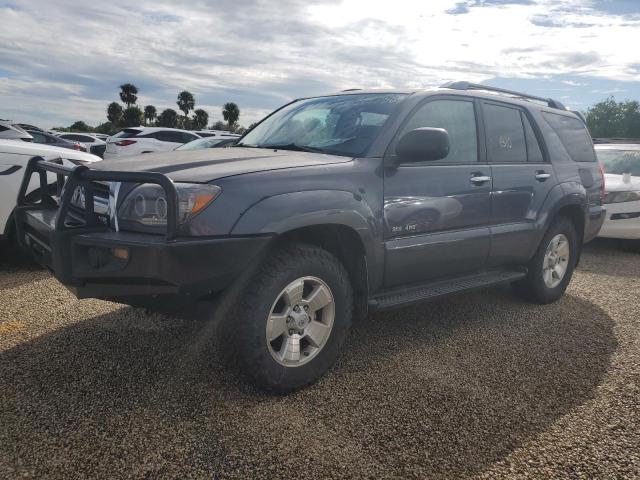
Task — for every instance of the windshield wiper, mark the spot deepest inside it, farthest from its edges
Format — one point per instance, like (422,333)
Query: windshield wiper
(295,147)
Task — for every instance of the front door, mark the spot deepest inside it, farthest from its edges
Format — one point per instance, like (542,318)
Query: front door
(437,213)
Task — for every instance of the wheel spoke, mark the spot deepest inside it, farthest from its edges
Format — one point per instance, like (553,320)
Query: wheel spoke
(319,298)
(559,271)
(276,326)
(290,350)
(563,250)
(293,294)
(316,333)
(548,277)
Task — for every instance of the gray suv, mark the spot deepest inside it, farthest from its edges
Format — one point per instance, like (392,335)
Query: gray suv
(329,208)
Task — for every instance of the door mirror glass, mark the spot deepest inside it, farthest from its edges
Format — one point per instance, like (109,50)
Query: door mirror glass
(423,145)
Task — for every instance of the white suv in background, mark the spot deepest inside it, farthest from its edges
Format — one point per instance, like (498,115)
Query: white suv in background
(137,140)
(92,143)
(621,164)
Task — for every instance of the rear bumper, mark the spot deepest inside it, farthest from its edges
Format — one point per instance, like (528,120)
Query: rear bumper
(97,262)
(595,219)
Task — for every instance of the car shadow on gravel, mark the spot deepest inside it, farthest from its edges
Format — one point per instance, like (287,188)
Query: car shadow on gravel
(438,390)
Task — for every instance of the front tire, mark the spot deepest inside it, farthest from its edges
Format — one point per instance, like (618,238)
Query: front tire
(292,319)
(551,268)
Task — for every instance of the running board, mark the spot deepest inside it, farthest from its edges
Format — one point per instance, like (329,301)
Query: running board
(420,293)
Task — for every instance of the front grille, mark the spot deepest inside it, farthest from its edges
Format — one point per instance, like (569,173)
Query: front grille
(100,203)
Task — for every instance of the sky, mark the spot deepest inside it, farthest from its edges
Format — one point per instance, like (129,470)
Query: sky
(63,60)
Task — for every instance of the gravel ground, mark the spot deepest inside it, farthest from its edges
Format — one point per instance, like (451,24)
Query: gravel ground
(478,386)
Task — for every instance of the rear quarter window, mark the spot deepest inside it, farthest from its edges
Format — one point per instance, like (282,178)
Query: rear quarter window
(574,136)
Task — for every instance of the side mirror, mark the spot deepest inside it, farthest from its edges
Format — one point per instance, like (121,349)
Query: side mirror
(423,145)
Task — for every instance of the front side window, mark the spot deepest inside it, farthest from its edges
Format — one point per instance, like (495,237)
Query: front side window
(505,134)
(458,118)
(341,125)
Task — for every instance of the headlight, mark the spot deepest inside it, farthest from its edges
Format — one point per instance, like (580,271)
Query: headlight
(147,205)
(619,197)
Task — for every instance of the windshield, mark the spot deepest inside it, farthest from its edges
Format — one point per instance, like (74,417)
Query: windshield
(620,161)
(340,125)
(201,143)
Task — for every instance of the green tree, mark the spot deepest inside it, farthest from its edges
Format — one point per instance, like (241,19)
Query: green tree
(114,113)
(611,119)
(219,125)
(106,127)
(168,118)
(231,113)
(150,113)
(132,117)
(252,125)
(128,94)
(80,126)
(185,103)
(200,119)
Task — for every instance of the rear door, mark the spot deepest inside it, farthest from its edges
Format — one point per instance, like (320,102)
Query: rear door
(437,213)
(522,179)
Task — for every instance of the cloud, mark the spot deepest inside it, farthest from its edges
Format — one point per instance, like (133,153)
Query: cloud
(62,61)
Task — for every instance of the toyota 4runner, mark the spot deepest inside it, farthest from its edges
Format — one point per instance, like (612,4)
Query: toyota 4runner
(329,208)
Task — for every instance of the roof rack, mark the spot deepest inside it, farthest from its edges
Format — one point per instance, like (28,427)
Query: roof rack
(351,89)
(477,86)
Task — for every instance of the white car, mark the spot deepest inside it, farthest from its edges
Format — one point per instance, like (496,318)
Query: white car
(137,140)
(91,142)
(10,131)
(621,164)
(214,133)
(14,156)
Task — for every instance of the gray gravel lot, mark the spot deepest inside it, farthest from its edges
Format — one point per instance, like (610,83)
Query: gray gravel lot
(480,385)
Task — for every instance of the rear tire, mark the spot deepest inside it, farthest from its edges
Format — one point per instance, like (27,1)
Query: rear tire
(291,321)
(551,268)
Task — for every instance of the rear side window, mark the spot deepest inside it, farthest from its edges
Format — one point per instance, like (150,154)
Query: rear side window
(458,118)
(506,141)
(574,136)
(168,136)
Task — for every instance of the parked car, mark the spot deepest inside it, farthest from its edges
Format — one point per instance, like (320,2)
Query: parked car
(620,160)
(209,142)
(332,206)
(90,141)
(9,131)
(133,141)
(14,157)
(27,127)
(214,133)
(54,141)
(101,136)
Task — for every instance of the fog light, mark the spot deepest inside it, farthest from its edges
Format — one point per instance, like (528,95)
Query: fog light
(121,253)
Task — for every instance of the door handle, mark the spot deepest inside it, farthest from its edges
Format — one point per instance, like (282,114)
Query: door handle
(479,179)
(541,176)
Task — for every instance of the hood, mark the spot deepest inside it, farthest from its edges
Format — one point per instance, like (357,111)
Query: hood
(203,166)
(617,183)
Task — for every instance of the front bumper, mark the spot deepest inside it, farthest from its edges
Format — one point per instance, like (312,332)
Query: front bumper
(100,263)
(95,261)
(622,221)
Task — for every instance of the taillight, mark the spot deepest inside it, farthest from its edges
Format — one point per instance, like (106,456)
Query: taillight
(76,146)
(603,192)
(124,143)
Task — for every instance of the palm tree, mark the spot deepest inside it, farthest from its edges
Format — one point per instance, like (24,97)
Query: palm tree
(231,113)
(150,113)
(186,102)
(201,119)
(128,94)
(114,113)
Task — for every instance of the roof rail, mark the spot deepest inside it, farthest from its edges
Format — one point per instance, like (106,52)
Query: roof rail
(351,89)
(477,86)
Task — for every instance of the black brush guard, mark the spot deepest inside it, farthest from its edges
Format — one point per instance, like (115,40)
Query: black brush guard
(80,253)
